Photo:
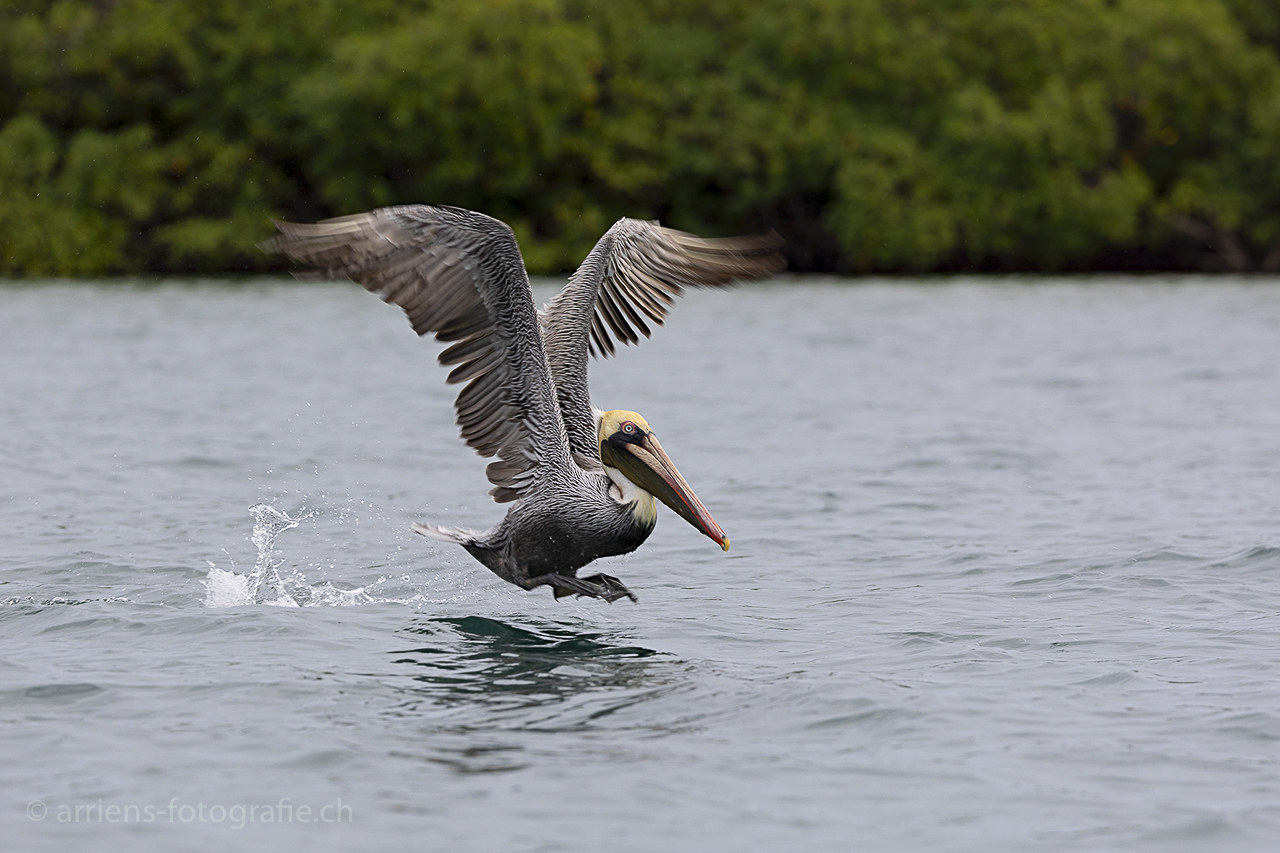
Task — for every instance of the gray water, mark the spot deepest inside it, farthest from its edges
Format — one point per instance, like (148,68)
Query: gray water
(1005,577)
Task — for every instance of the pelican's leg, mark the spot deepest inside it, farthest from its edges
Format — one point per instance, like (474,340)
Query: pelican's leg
(615,588)
(597,586)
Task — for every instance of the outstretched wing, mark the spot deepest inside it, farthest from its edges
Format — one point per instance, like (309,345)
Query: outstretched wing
(628,281)
(458,274)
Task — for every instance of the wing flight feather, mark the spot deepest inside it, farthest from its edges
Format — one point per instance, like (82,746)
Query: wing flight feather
(460,275)
(627,282)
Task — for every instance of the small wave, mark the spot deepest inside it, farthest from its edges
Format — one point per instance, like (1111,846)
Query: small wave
(59,601)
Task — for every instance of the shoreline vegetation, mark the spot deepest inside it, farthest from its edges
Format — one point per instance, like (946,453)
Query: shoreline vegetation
(877,136)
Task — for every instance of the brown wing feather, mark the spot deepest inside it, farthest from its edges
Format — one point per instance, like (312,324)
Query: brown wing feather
(460,275)
(649,265)
(627,282)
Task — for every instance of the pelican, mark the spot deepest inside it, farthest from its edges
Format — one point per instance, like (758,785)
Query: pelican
(583,482)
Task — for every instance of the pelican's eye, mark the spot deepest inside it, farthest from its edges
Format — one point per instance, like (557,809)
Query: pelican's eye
(629,433)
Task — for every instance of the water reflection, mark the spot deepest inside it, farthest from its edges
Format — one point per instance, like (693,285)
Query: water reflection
(547,676)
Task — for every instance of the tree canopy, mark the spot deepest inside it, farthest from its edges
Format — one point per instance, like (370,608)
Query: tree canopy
(875,135)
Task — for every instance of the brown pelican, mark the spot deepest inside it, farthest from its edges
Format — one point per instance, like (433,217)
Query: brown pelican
(583,481)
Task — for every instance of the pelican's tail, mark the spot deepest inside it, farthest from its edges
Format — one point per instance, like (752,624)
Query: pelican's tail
(446,534)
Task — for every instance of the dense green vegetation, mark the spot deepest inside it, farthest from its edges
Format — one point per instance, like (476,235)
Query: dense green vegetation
(882,135)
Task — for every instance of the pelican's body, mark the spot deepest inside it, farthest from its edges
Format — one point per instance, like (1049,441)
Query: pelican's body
(583,482)
(545,540)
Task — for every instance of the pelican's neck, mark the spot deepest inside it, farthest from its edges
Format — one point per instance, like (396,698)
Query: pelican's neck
(625,492)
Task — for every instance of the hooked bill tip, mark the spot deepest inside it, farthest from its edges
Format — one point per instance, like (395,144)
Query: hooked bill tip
(724,543)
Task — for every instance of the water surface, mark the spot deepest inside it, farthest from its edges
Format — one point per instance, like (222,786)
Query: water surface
(1005,576)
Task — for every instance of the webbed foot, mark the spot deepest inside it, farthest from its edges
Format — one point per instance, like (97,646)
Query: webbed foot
(596,586)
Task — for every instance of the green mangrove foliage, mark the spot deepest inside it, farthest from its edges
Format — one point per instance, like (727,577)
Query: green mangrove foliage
(876,135)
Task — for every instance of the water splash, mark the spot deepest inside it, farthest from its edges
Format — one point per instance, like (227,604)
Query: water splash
(268,584)
(263,585)
(268,524)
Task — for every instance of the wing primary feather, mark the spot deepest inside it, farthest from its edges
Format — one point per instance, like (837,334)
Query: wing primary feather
(462,327)
(466,349)
(609,311)
(599,338)
(641,299)
(627,299)
(475,367)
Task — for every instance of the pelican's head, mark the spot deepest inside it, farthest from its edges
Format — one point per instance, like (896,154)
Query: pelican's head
(628,445)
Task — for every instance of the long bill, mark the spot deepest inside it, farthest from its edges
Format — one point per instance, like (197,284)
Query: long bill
(648,466)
